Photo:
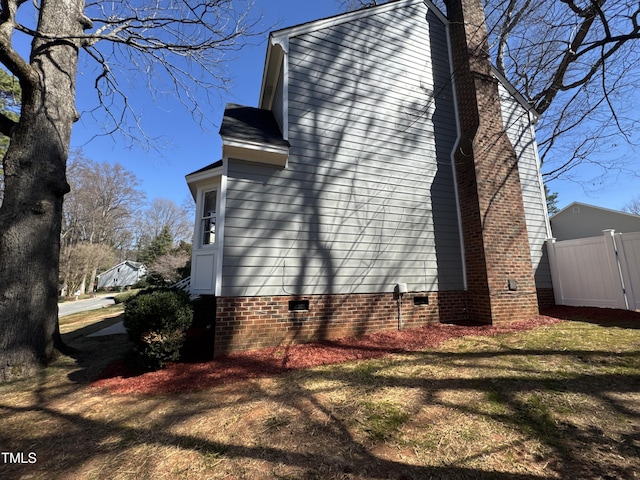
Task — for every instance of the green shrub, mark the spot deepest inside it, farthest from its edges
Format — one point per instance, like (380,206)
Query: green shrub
(123,297)
(156,322)
(142,283)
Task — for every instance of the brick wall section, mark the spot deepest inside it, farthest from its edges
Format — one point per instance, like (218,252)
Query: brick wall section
(492,211)
(246,323)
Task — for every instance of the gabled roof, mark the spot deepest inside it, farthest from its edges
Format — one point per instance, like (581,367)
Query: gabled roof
(334,20)
(251,124)
(580,220)
(207,168)
(129,263)
(278,47)
(594,207)
(202,175)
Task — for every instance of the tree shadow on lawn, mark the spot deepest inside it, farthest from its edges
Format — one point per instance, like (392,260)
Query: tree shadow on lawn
(103,358)
(119,377)
(94,354)
(319,437)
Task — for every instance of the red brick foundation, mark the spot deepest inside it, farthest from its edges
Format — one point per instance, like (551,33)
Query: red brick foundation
(246,323)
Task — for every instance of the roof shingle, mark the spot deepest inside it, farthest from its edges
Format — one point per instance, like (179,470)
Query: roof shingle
(252,125)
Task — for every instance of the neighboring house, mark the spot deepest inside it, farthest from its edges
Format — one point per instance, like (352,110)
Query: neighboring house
(579,220)
(367,192)
(122,275)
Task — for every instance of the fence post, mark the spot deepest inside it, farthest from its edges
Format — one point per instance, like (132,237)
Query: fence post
(556,280)
(616,271)
(624,264)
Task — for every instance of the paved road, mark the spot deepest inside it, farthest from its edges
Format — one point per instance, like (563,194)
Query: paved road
(70,307)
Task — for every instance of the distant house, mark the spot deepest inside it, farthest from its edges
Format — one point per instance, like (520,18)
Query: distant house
(579,220)
(122,275)
(384,181)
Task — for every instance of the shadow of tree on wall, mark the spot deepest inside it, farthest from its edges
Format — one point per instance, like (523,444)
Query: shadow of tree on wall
(367,200)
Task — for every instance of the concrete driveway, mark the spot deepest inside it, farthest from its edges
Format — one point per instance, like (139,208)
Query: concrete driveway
(77,306)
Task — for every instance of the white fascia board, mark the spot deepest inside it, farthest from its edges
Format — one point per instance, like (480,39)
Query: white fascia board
(265,71)
(516,94)
(273,61)
(441,16)
(315,25)
(206,175)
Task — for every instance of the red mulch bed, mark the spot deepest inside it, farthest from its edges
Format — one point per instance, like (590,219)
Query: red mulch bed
(181,377)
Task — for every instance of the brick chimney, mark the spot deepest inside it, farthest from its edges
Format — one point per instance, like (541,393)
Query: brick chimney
(500,279)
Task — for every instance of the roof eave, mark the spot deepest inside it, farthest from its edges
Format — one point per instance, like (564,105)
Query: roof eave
(201,176)
(535,116)
(277,155)
(595,207)
(276,51)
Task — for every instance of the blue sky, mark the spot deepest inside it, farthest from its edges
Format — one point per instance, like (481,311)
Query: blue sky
(186,147)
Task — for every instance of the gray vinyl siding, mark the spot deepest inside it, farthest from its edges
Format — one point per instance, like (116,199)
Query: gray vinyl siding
(582,221)
(121,275)
(518,128)
(367,199)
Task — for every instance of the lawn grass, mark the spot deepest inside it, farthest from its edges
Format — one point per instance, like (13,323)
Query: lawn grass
(561,401)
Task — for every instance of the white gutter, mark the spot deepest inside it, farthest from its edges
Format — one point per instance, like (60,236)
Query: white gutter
(445,21)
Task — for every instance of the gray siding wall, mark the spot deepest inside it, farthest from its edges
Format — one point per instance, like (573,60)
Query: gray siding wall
(121,276)
(516,122)
(367,200)
(583,221)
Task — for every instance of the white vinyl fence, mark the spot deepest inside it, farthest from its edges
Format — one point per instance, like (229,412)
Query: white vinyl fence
(598,271)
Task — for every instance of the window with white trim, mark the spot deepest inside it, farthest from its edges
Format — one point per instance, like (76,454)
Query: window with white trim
(208,221)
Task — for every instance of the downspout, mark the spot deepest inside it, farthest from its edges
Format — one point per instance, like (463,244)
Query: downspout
(445,21)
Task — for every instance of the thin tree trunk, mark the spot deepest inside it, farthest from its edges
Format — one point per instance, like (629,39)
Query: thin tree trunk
(92,279)
(83,284)
(35,184)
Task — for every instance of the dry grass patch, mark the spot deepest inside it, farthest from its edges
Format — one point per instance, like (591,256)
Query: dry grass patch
(560,401)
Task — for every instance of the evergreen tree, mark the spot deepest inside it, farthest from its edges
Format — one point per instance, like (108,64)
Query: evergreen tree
(160,245)
(552,201)
(9,106)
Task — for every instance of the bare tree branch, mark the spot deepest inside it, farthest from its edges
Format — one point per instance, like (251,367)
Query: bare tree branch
(185,42)
(9,57)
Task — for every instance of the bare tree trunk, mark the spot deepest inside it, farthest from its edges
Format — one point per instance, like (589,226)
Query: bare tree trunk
(35,184)
(83,284)
(92,279)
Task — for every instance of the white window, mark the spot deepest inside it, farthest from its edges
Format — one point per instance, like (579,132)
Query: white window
(209,217)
